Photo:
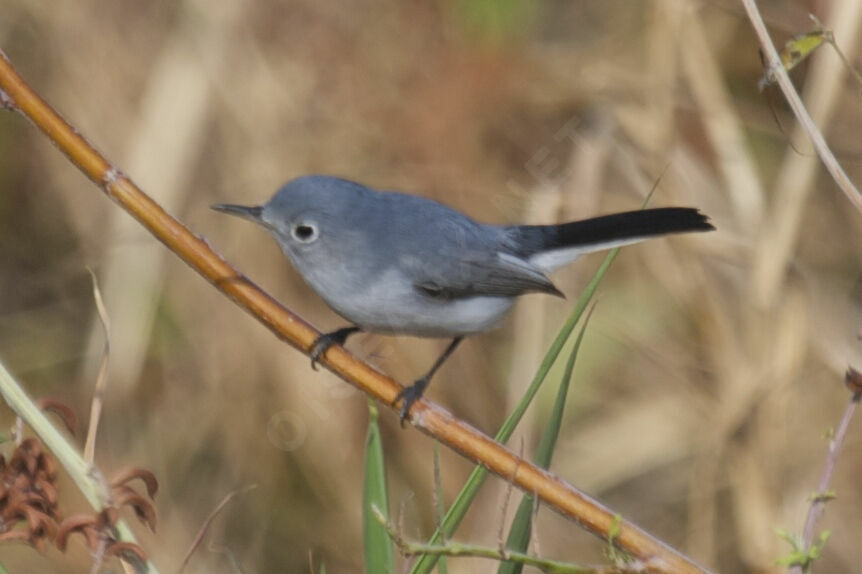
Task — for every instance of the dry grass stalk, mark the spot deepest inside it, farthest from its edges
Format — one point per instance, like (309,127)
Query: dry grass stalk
(102,378)
(205,526)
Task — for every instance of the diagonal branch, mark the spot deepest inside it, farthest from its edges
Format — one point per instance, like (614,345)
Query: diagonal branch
(775,70)
(16,94)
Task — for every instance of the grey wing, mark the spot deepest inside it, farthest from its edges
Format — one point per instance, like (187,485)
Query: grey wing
(480,273)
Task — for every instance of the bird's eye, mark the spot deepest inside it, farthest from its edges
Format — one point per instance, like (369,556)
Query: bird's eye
(304,232)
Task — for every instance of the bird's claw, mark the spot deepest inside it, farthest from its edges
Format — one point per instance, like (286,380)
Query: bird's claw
(326,340)
(408,396)
(320,345)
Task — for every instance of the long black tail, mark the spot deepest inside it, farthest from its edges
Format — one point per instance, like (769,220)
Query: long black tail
(609,230)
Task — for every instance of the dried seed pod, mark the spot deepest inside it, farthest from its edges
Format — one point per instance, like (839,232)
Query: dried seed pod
(84,524)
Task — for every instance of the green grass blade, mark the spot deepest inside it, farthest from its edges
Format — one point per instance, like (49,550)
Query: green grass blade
(378,546)
(471,488)
(522,525)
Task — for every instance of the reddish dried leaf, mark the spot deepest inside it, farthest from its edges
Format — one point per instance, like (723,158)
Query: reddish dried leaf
(38,522)
(15,535)
(15,511)
(38,543)
(19,498)
(31,445)
(49,467)
(26,457)
(146,513)
(131,473)
(20,482)
(62,410)
(49,493)
(79,523)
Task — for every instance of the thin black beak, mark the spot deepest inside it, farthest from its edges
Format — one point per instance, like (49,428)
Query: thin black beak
(250,213)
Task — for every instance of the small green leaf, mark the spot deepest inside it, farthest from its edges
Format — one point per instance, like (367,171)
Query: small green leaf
(823,496)
(795,51)
(612,553)
(798,556)
(788,537)
(378,547)
(614,531)
(800,47)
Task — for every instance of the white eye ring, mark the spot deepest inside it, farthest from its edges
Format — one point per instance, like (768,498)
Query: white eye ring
(304,232)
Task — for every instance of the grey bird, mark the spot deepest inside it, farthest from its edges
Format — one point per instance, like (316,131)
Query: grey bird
(394,263)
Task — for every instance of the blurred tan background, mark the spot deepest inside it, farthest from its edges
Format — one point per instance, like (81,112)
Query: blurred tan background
(713,365)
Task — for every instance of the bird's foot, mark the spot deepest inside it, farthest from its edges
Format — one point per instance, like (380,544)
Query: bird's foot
(322,343)
(408,396)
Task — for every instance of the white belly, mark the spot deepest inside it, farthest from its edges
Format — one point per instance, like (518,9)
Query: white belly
(392,305)
(451,318)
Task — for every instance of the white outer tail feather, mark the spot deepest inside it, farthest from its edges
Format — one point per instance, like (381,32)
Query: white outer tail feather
(552,260)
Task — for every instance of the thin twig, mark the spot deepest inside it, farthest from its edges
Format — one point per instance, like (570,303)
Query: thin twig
(829,38)
(402,517)
(775,70)
(822,495)
(534,532)
(224,549)
(475,551)
(205,526)
(101,379)
(426,416)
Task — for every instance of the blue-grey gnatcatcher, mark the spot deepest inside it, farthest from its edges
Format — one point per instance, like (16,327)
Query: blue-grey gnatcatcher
(400,264)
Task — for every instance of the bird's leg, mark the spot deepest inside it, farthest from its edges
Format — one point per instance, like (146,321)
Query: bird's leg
(322,343)
(414,392)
